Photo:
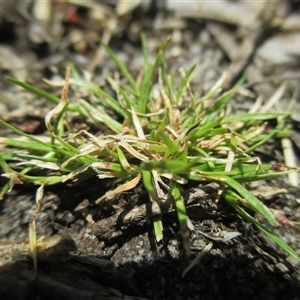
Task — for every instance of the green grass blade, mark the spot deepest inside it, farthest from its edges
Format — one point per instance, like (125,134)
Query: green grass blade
(158,227)
(280,242)
(29,145)
(43,94)
(106,99)
(253,117)
(123,69)
(148,183)
(202,130)
(46,180)
(184,82)
(173,148)
(251,201)
(74,72)
(30,137)
(182,216)
(214,111)
(169,166)
(146,86)
(161,128)
(157,219)
(34,90)
(145,53)
(101,116)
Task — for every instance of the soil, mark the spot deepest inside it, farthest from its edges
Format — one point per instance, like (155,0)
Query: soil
(118,257)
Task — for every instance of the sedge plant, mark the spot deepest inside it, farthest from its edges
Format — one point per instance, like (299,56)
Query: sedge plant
(156,133)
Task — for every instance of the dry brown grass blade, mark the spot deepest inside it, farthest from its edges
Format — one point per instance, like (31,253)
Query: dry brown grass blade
(121,188)
(62,103)
(32,228)
(75,173)
(132,151)
(197,259)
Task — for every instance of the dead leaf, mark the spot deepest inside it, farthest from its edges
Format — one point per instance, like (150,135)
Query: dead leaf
(121,188)
(125,7)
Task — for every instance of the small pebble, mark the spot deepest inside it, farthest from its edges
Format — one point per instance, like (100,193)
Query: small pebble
(281,268)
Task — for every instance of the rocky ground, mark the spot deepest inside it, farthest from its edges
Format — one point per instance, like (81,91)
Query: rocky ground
(117,258)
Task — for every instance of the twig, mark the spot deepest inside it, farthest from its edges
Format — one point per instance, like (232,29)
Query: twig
(249,44)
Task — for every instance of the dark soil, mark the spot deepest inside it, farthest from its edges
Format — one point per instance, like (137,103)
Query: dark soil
(115,258)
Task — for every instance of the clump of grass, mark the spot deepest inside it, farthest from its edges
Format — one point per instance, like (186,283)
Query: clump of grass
(166,138)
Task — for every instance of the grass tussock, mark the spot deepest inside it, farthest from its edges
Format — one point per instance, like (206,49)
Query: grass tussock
(154,133)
